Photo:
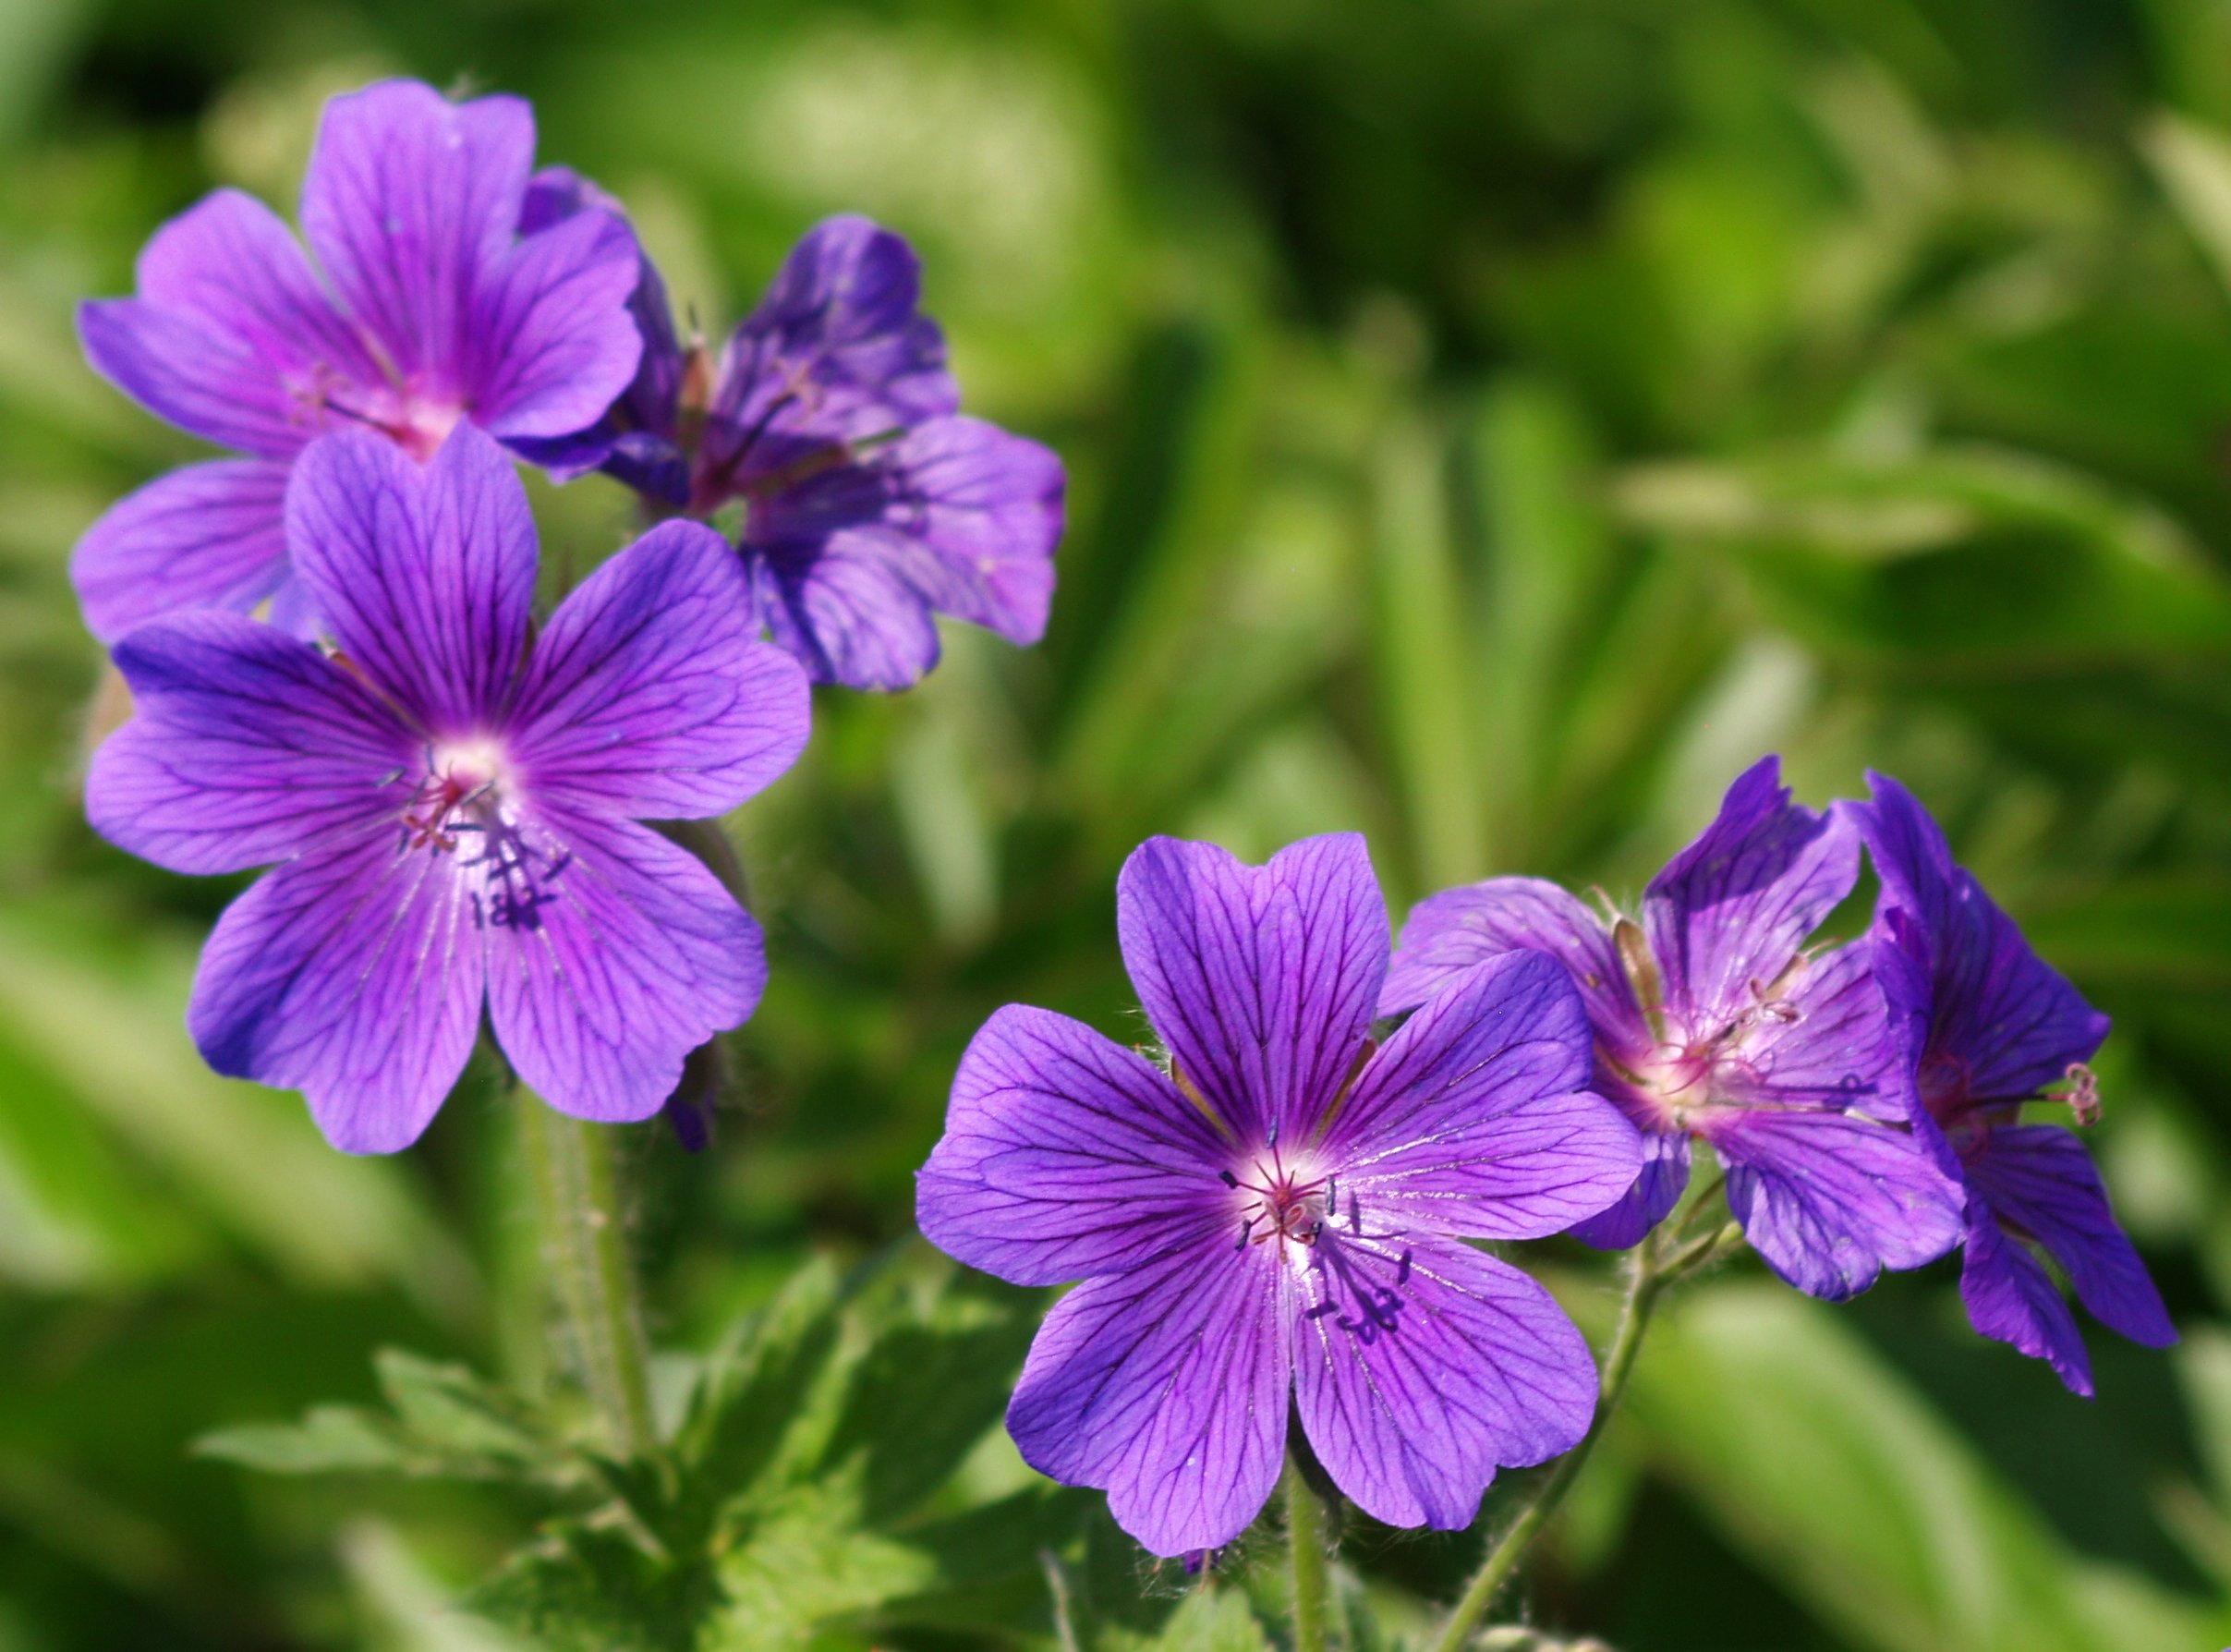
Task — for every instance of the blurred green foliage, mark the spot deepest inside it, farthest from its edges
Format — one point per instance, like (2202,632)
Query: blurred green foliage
(1491,424)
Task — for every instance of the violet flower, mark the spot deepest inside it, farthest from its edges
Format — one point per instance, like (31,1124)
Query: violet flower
(1986,1025)
(1277,1218)
(453,800)
(1713,1021)
(869,503)
(426,307)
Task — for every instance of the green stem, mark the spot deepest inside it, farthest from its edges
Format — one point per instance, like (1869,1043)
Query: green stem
(584,1253)
(1647,1280)
(1305,1537)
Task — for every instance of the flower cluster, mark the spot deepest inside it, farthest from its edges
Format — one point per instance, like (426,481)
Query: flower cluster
(329,638)
(1274,1214)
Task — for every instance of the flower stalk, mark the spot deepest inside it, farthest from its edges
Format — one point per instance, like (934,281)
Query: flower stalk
(577,1204)
(1650,1271)
(1305,1538)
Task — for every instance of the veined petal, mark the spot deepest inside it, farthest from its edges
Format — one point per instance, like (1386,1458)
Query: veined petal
(649,694)
(844,613)
(206,535)
(1260,979)
(408,202)
(424,573)
(1448,933)
(354,976)
(1658,1188)
(551,343)
(612,954)
(1167,1386)
(962,513)
(2040,1178)
(2012,1022)
(230,335)
(2012,1299)
(1830,1199)
(1066,1155)
(1476,1119)
(835,350)
(1732,908)
(245,747)
(1421,1365)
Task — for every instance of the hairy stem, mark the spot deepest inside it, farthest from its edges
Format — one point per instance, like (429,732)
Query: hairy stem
(584,1254)
(1648,1276)
(1305,1537)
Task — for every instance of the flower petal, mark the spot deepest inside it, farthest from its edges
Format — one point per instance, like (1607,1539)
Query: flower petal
(1825,1042)
(1830,1199)
(612,954)
(1167,1385)
(2040,1178)
(649,693)
(424,574)
(354,976)
(1476,1118)
(2012,1299)
(230,335)
(1421,1365)
(207,536)
(962,513)
(551,343)
(1663,1179)
(1448,933)
(1733,907)
(835,351)
(844,613)
(245,746)
(1066,1155)
(1260,979)
(408,201)
(2012,1021)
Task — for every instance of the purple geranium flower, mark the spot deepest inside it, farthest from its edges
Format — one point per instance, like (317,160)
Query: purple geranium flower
(453,800)
(1279,1217)
(1987,1025)
(1713,1021)
(869,502)
(428,306)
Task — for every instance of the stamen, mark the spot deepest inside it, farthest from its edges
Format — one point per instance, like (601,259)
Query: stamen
(2083,1094)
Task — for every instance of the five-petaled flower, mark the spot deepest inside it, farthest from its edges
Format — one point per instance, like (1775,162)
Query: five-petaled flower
(869,502)
(428,306)
(1713,1021)
(1279,1217)
(454,801)
(1986,1025)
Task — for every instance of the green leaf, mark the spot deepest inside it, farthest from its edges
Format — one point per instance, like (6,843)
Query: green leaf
(1211,1619)
(329,1440)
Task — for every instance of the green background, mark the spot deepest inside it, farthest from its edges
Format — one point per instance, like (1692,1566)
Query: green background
(1490,426)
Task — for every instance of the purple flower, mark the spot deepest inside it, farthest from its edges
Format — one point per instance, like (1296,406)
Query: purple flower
(1715,1021)
(428,306)
(1987,1025)
(453,800)
(869,503)
(1279,1217)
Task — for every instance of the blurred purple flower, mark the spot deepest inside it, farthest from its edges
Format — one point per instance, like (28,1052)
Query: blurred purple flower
(1985,1026)
(1279,1216)
(870,503)
(1713,1021)
(453,800)
(428,306)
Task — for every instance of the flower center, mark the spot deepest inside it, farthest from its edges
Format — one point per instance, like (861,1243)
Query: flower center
(415,419)
(1281,1204)
(460,793)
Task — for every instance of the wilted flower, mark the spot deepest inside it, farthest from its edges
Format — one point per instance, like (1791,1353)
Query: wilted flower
(454,801)
(1279,1217)
(1987,1025)
(1715,1021)
(427,306)
(869,503)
